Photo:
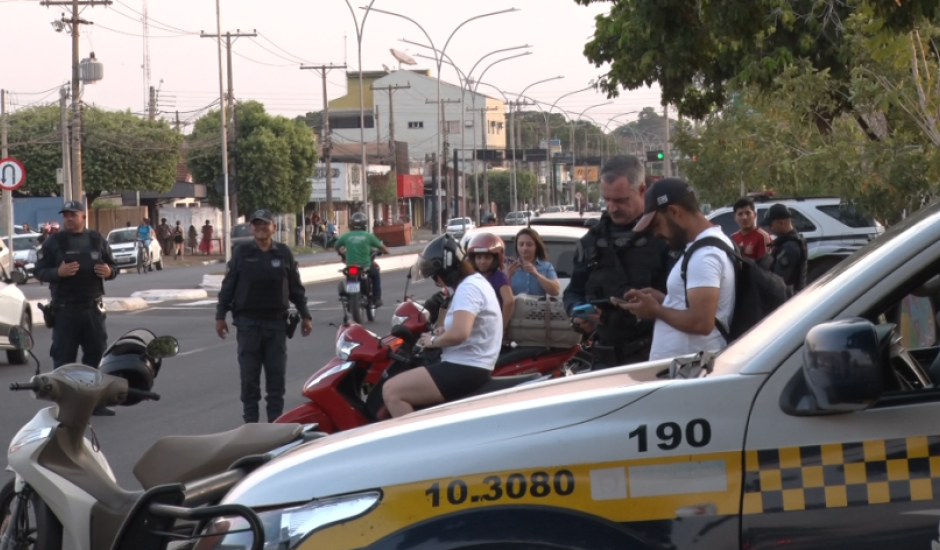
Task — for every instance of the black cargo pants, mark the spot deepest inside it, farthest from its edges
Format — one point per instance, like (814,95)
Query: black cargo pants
(262,345)
(78,326)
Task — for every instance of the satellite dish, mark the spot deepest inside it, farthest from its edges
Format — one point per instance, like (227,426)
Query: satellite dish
(403,58)
(384,66)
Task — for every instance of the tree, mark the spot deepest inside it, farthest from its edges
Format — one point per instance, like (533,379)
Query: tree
(693,49)
(383,189)
(120,151)
(273,157)
(500,183)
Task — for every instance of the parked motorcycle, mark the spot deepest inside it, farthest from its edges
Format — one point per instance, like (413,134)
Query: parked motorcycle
(64,485)
(355,292)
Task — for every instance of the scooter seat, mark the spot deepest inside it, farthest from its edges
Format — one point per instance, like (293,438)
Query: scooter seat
(504,383)
(518,354)
(182,458)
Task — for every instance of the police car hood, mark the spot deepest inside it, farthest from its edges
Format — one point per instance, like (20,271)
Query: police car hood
(460,438)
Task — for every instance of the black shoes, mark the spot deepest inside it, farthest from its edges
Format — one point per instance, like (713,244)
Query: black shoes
(103,411)
(378,302)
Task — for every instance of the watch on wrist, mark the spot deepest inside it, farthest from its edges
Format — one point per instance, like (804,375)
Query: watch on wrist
(432,341)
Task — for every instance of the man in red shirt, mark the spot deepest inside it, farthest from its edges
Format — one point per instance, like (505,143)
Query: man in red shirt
(754,242)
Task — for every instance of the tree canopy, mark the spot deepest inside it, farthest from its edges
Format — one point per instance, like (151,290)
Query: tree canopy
(120,151)
(273,156)
(500,184)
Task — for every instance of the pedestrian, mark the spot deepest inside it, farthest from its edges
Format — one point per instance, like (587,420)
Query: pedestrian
(612,259)
(790,255)
(75,263)
(205,246)
(165,234)
(530,272)
(43,233)
(751,239)
(178,240)
(27,228)
(695,313)
(192,238)
(330,233)
(261,281)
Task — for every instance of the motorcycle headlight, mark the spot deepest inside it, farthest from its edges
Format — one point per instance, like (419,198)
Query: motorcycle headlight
(344,347)
(399,320)
(329,372)
(286,528)
(25,437)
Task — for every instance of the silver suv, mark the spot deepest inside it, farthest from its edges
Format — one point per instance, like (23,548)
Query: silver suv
(832,230)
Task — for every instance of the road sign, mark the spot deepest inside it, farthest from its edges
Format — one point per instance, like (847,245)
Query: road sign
(577,195)
(12,174)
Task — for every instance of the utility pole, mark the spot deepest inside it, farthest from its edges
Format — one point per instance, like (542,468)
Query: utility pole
(7,195)
(74,23)
(64,129)
(442,158)
(513,106)
(391,89)
(667,154)
(486,130)
(152,104)
(322,70)
(230,120)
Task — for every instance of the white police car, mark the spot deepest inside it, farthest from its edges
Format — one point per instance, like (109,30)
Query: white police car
(817,429)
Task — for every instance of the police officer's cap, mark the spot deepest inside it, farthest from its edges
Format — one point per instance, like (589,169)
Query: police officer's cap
(262,215)
(777,212)
(72,206)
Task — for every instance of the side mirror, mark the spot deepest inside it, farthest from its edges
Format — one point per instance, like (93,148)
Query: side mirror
(399,331)
(21,339)
(162,347)
(842,365)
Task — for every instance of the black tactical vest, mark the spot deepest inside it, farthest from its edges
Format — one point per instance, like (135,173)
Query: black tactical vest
(798,281)
(85,286)
(262,288)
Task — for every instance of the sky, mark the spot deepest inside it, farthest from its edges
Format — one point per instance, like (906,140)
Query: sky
(36,60)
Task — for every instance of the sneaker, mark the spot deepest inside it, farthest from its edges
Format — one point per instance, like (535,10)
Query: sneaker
(103,411)
(378,302)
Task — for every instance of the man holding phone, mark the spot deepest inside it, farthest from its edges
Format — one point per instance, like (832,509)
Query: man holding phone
(76,262)
(613,259)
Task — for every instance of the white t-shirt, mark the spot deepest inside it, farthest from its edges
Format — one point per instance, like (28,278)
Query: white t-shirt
(476,295)
(709,267)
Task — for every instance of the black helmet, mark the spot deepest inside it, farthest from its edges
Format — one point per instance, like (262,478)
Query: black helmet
(440,258)
(358,221)
(127,359)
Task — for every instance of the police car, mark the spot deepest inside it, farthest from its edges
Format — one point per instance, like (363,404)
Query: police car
(817,429)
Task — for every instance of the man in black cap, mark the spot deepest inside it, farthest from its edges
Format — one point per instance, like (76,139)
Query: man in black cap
(790,255)
(76,262)
(687,316)
(261,281)
(611,259)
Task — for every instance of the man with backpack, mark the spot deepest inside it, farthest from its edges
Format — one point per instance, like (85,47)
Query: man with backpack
(790,254)
(713,294)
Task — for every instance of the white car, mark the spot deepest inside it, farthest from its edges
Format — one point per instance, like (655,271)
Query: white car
(458,227)
(560,242)
(24,252)
(127,252)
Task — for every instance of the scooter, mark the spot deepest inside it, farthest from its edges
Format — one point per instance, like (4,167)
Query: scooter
(63,482)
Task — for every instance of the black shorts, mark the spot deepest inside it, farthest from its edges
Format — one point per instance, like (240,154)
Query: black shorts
(455,381)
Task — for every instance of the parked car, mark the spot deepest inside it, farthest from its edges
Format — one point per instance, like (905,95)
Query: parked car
(241,233)
(560,242)
(569,219)
(15,310)
(833,231)
(458,227)
(24,252)
(521,217)
(128,253)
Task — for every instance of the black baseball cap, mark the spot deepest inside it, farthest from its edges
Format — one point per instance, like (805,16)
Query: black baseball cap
(263,215)
(72,206)
(660,195)
(777,212)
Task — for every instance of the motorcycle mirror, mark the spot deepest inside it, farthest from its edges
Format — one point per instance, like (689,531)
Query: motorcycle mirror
(399,331)
(163,346)
(21,339)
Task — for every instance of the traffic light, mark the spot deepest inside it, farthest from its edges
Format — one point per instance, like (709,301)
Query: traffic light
(655,156)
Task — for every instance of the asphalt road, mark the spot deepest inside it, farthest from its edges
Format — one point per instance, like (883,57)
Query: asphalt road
(199,387)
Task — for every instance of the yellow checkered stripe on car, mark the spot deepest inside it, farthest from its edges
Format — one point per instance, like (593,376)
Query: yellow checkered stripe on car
(842,475)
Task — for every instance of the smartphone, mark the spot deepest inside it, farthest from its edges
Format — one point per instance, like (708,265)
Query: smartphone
(602,303)
(617,301)
(584,311)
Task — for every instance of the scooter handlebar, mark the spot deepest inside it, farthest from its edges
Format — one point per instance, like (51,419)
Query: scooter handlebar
(143,394)
(33,386)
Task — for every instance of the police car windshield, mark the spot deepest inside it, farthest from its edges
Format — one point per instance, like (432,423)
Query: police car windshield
(25,243)
(122,236)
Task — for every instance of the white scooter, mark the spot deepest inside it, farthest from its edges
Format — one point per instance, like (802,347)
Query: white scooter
(63,483)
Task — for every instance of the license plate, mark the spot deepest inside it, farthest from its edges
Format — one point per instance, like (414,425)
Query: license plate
(352,288)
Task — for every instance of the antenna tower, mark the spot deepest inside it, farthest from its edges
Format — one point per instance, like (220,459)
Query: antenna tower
(146,65)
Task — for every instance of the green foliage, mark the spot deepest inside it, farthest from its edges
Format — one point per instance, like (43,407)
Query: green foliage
(273,158)
(500,185)
(120,151)
(383,189)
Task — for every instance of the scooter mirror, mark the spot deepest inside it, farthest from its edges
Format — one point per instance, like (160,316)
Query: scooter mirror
(399,331)
(163,346)
(20,338)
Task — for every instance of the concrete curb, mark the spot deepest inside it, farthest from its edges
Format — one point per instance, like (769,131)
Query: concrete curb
(324,272)
(112,304)
(162,295)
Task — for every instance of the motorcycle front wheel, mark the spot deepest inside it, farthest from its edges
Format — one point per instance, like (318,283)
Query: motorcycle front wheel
(34,528)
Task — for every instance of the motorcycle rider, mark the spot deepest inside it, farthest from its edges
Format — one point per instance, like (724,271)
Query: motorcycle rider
(487,253)
(470,339)
(356,246)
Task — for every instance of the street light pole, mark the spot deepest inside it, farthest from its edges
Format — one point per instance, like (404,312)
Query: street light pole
(572,141)
(439,61)
(226,220)
(550,191)
(363,171)
(515,189)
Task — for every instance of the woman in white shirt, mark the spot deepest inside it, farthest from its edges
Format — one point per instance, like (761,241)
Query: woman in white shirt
(470,338)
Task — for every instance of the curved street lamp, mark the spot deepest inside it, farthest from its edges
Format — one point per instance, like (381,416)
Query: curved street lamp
(571,141)
(439,62)
(363,170)
(550,191)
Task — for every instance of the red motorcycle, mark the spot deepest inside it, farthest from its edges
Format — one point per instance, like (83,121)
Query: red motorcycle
(346,393)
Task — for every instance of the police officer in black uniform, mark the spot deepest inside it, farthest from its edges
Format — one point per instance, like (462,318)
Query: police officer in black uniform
(76,262)
(790,255)
(611,260)
(261,281)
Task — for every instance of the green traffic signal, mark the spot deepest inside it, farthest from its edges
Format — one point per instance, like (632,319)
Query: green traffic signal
(659,155)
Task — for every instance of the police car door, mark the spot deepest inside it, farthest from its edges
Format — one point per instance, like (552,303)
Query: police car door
(862,480)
